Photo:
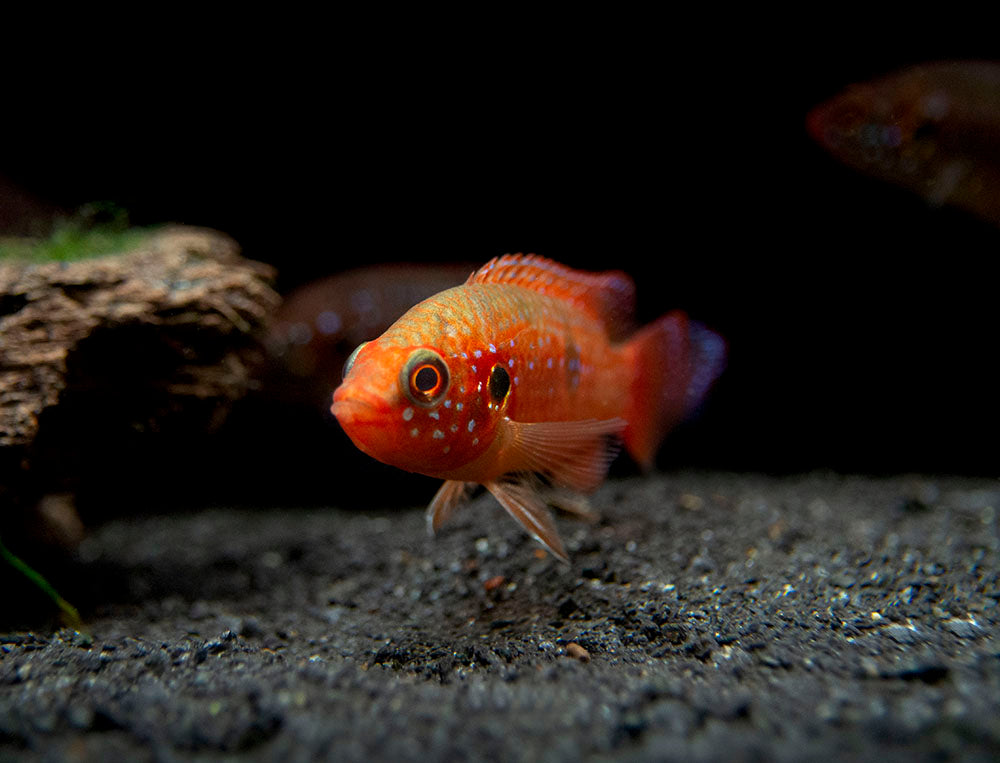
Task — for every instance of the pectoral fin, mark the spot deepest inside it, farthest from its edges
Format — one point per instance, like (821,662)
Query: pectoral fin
(574,454)
(524,503)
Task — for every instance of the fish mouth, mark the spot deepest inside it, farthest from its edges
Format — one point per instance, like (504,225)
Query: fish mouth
(364,421)
(351,410)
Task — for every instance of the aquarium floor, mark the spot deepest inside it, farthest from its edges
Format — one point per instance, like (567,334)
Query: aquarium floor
(705,616)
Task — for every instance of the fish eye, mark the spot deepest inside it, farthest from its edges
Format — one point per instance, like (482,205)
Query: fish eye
(425,378)
(499,384)
(349,364)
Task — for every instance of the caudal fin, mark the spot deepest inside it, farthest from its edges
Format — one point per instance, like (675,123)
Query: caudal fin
(675,361)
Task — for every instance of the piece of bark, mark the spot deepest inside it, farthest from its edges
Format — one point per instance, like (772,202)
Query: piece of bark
(101,350)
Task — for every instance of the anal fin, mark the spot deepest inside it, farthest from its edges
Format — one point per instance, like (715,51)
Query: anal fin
(571,502)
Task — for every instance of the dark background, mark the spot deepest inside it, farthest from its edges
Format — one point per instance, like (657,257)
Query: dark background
(862,324)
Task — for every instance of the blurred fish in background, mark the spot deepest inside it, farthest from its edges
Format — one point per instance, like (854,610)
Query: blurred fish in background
(933,128)
(320,323)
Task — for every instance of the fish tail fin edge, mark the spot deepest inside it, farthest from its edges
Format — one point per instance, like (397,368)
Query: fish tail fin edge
(674,362)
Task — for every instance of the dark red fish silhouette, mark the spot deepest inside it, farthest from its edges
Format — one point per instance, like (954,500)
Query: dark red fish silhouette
(932,128)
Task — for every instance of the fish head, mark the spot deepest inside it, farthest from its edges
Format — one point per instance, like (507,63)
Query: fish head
(889,126)
(420,407)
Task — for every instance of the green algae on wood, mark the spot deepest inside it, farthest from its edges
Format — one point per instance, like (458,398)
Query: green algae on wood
(97,230)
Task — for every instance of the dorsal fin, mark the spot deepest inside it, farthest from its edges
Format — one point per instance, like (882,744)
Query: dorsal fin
(608,296)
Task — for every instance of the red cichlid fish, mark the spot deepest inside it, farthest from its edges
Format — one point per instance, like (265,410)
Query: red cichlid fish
(521,372)
(933,128)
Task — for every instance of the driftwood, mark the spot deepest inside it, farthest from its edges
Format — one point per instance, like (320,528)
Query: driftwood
(97,350)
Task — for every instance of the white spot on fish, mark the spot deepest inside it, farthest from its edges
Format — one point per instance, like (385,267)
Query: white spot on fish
(447,403)
(414,432)
(363,302)
(549,363)
(493,349)
(472,424)
(510,363)
(477,354)
(475,440)
(460,406)
(454,428)
(329,322)
(517,380)
(438,434)
(475,370)
(511,342)
(531,365)
(407,414)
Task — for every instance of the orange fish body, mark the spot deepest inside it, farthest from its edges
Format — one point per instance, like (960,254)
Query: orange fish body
(517,372)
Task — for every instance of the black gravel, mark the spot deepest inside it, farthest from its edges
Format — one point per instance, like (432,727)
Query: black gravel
(706,616)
